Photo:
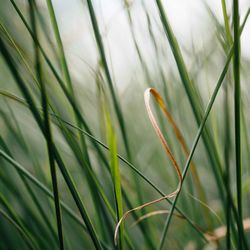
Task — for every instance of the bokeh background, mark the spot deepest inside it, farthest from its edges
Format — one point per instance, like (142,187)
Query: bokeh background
(139,56)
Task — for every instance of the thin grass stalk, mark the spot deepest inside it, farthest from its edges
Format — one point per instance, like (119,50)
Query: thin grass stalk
(229,42)
(115,171)
(227,167)
(108,76)
(237,118)
(226,23)
(47,129)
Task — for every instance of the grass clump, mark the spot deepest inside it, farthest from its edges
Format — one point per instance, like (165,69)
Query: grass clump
(77,149)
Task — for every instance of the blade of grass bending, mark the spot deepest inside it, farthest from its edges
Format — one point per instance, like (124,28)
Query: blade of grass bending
(197,137)
(47,128)
(65,173)
(167,151)
(131,166)
(237,107)
(154,186)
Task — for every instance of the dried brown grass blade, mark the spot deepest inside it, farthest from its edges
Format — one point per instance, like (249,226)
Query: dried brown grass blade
(160,102)
(153,213)
(183,144)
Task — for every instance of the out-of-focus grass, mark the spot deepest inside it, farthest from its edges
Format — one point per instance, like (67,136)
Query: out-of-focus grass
(76,153)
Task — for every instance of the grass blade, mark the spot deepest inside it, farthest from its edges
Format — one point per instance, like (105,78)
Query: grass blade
(237,107)
(115,172)
(47,129)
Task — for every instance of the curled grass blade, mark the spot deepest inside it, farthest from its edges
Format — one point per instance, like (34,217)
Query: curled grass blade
(166,149)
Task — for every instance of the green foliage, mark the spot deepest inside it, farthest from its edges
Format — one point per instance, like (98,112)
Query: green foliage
(76,153)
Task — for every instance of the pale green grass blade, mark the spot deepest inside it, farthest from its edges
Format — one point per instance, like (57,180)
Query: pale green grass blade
(115,172)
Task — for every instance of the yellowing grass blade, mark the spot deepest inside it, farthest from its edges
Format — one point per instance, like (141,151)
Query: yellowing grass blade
(166,148)
(115,171)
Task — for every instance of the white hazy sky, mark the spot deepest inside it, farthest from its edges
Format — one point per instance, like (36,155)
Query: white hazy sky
(188,18)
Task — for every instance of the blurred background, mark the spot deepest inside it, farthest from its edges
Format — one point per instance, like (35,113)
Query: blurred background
(138,55)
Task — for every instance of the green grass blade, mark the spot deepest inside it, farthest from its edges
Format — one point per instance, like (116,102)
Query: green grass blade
(115,172)
(237,118)
(47,129)
(108,76)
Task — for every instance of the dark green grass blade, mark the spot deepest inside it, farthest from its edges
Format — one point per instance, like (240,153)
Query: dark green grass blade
(227,166)
(227,146)
(237,118)
(47,129)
